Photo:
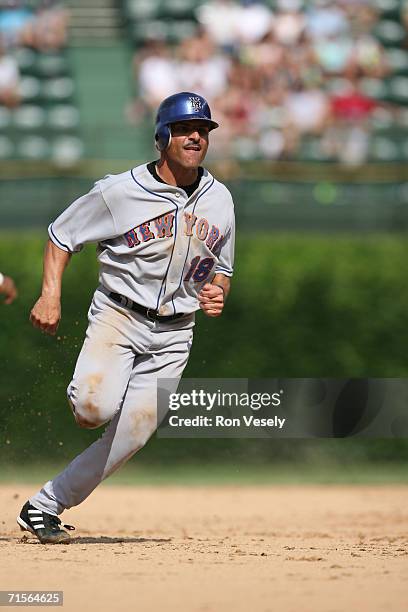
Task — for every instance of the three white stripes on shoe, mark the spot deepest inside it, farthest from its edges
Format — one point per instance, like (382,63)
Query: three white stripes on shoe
(35,519)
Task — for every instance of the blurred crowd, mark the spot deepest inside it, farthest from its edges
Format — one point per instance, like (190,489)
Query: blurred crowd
(41,26)
(275,77)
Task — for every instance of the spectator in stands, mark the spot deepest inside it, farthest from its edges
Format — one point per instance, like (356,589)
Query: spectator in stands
(302,63)
(270,75)
(273,142)
(253,22)
(347,139)
(155,68)
(351,105)
(48,29)
(219,19)
(325,18)
(237,106)
(230,23)
(14,19)
(199,67)
(289,22)
(307,111)
(288,114)
(362,15)
(236,110)
(334,54)
(9,80)
(265,56)
(404,14)
(367,58)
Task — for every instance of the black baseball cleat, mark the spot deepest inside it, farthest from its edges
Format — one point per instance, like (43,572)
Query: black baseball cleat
(43,525)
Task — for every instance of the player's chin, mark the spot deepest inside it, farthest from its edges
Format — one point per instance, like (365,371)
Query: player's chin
(192,158)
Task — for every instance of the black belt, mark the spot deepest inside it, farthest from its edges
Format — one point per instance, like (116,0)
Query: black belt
(149,313)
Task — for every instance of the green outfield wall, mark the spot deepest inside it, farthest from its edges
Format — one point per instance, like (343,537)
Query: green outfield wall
(270,196)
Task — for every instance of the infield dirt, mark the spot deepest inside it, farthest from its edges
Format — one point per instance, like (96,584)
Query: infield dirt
(204,549)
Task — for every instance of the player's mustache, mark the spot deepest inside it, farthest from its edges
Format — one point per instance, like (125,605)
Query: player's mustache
(193,145)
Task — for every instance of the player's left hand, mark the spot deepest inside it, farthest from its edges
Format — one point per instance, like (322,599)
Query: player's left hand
(211,300)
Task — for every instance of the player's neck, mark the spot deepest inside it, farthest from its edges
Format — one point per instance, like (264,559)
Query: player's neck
(176,175)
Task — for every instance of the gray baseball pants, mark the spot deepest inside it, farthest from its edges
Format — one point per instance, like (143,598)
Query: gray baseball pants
(115,382)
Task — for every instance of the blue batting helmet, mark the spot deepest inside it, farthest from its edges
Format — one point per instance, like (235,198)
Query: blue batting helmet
(184,106)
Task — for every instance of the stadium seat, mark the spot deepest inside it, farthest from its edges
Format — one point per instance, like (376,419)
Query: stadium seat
(374,88)
(25,58)
(399,89)
(390,32)
(59,89)
(155,29)
(404,150)
(311,149)
(398,61)
(336,85)
(384,149)
(63,116)
(67,150)
(33,147)
(30,88)
(5,118)
(29,117)
(382,119)
(245,149)
(388,8)
(49,65)
(177,8)
(403,117)
(142,9)
(6,147)
(178,30)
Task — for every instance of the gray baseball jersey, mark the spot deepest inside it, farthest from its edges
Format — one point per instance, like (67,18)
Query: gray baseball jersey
(156,245)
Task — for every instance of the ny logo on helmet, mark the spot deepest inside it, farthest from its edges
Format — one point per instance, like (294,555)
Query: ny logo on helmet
(196,103)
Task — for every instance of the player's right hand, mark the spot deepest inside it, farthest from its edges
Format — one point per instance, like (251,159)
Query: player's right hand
(8,288)
(46,314)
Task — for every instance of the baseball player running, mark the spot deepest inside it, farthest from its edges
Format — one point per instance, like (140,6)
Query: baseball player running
(165,235)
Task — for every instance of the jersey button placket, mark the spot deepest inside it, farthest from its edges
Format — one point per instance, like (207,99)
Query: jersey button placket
(174,267)
(177,263)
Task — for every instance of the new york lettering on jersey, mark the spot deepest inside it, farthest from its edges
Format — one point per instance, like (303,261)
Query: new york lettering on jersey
(162,227)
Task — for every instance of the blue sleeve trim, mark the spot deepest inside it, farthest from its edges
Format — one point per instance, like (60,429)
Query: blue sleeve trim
(219,267)
(58,242)
(223,271)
